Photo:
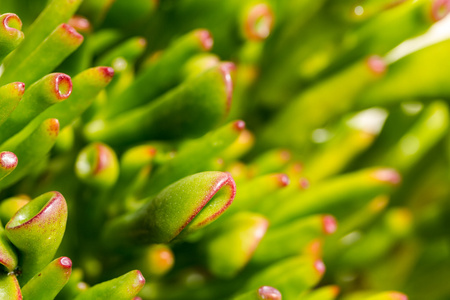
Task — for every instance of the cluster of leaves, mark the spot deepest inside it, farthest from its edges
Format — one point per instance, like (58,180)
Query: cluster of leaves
(140,128)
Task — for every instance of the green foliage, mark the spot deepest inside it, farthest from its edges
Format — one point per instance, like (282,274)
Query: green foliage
(134,110)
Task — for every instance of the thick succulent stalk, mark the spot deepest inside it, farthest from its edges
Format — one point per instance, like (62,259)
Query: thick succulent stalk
(46,284)
(9,287)
(195,107)
(86,86)
(410,19)
(193,157)
(10,34)
(291,276)
(161,72)
(57,12)
(279,243)
(430,66)
(182,208)
(10,96)
(323,102)
(230,246)
(251,192)
(8,255)
(331,195)
(124,287)
(60,43)
(47,91)
(36,230)
(30,149)
(427,131)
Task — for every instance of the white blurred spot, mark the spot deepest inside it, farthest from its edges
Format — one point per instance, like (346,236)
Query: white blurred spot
(359,10)
(119,64)
(351,238)
(369,120)
(411,108)
(320,135)
(440,31)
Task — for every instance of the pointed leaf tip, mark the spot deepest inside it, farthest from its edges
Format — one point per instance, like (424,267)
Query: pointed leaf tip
(239,125)
(20,87)
(376,64)
(80,23)
(71,32)
(8,160)
(329,224)
(387,175)
(205,38)
(269,293)
(52,126)
(319,266)
(283,180)
(303,183)
(398,296)
(108,72)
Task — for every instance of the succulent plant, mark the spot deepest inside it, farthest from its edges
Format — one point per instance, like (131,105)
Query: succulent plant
(240,149)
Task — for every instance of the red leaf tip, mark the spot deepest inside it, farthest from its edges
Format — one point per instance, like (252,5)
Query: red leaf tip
(142,42)
(269,293)
(65,262)
(205,38)
(140,278)
(239,125)
(63,86)
(335,290)
(108,72)
(303,183)
(12,22)
(72,32)
(8,160)
(387,175)
(80,23)
(20,87)
(283,180)
(376,64)
(329,224)
(398,296)
(53,126)
(319,266)
(440,9)
(259,22)
(285,155)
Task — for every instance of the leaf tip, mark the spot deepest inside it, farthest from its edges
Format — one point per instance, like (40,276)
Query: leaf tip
(329,224)
(268,293)
(63,86)
(377,65)
(259,22)
(439,9)
(8,160)
(205,38)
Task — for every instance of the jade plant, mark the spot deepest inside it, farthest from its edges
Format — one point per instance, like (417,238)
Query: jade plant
(240,149)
